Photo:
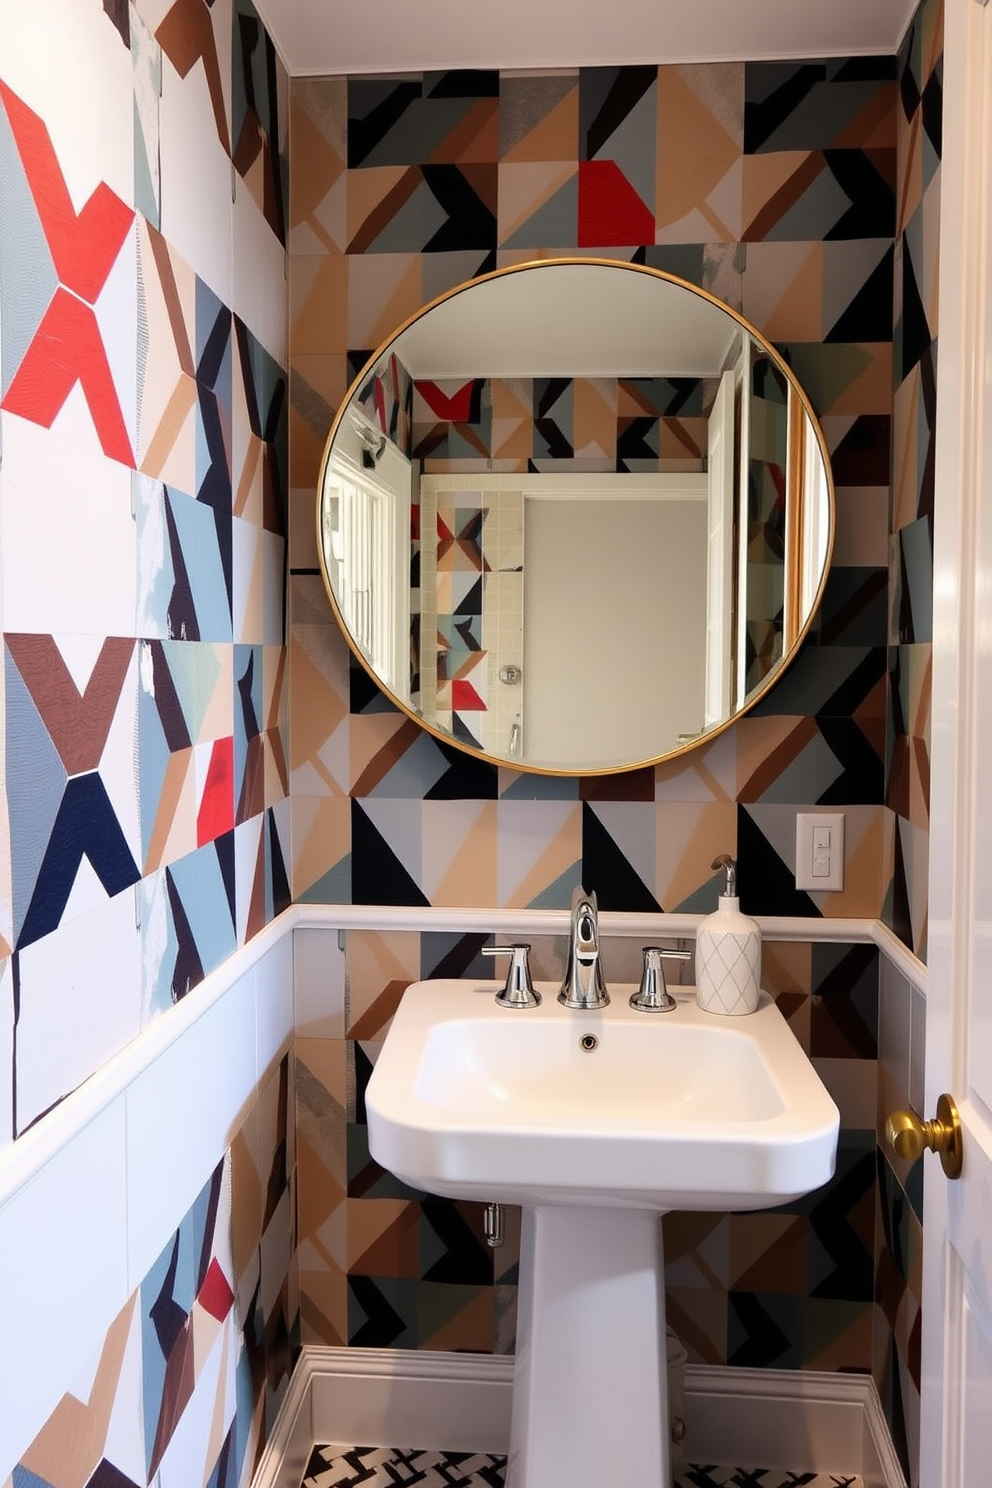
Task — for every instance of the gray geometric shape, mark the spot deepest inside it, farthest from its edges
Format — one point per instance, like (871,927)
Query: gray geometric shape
(633,145)
(525,102)
(424,125)
(417,770)
(917,559)
(27,274)
(36,781)
(556,224)
(413,225)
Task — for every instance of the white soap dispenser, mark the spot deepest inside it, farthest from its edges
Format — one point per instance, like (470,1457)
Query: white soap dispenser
(728,953)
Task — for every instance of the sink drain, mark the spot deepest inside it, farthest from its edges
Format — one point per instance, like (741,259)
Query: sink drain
(588,1042)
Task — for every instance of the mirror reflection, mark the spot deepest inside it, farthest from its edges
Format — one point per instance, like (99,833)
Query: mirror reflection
(575,517)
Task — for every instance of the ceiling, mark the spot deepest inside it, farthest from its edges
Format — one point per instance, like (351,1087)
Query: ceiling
(319,37)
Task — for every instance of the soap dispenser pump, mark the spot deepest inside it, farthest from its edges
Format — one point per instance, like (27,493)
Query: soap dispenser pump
(728,953)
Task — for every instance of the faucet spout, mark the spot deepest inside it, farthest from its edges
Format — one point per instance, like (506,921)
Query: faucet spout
(583,987)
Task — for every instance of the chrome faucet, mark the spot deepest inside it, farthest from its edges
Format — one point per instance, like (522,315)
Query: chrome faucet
(583,987)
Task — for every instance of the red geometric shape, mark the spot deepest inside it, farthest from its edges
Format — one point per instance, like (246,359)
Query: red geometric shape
(611,214)
(215,1295)
(465,699)
(456,406)
(67,348)
(216,813)
(83,246)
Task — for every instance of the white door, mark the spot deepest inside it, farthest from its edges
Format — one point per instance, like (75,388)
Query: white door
(720,555)
(956,1445)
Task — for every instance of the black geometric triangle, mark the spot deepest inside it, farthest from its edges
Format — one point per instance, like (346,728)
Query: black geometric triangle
(377,875)
(466,1261)
(769,887)
(383,1324)
(466,778)
(869,315)
(626,90)
(916,337)
(608,873)
(764,116)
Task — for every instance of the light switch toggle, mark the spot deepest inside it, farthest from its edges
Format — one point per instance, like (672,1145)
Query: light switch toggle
(820,850)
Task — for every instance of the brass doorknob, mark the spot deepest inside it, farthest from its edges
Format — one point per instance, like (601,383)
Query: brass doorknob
(908,1136)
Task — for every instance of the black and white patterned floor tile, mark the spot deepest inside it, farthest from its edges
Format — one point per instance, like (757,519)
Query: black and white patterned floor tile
(392,1467)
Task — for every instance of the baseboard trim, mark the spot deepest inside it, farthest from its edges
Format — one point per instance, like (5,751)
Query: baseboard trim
(775,1418)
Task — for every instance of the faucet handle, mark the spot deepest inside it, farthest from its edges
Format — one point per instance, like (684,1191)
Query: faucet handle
(652,996)
(519,989)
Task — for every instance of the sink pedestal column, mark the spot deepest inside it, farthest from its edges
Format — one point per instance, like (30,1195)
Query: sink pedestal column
(590,1387)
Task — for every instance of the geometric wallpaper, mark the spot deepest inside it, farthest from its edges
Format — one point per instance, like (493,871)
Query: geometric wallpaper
(178,767)
(144,820)
(191,1371)
(804,196)
(144,500)
(781,200)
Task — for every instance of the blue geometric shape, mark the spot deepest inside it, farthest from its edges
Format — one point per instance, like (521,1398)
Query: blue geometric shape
(202,894)
(196,534)
(247,707)
(35,783)
(86,826)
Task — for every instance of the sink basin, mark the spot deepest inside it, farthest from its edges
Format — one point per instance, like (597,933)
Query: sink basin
(595,1122)
(672,1110)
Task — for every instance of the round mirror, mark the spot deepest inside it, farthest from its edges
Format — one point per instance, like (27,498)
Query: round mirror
(575,516)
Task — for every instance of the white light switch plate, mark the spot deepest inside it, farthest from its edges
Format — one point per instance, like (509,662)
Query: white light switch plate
(820,850)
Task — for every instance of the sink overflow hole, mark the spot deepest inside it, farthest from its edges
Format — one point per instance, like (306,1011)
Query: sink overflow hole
(588,1042)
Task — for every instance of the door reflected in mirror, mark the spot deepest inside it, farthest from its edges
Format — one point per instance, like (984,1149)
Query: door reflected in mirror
(575,517)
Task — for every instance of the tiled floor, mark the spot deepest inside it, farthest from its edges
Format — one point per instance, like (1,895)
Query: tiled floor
(387,1467)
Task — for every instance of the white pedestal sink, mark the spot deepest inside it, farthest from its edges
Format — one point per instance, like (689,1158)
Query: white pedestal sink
(596,1122)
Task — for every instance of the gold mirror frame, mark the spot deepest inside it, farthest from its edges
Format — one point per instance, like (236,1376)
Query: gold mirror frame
(803,422)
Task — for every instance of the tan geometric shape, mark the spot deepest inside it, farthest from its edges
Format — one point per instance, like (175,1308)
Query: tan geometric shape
(186,36)
(773,183)
(701,108)
(384,289)
(388,737)
(594,416)
(512,439)
(554,137)
(318,384)
(383,1237)
(380,966)
(69,1446)
(783,290)
(905,449)
(460,849)
(525,188)
(708,773)
(688,836)
(320,837)
(317,161)
(861,894)
(173,832)
(376,195)
(766,747)
(318,304)
(246,1187)
(537,843)
(323,1309)
(318,705)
